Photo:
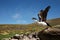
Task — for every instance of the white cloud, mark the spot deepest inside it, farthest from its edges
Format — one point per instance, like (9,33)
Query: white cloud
(15,16)
(18,19)
(21,21)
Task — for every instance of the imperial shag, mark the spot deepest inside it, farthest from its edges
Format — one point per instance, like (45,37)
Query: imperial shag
(42,17)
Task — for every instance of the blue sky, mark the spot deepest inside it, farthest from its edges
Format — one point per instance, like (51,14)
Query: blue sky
(21,11)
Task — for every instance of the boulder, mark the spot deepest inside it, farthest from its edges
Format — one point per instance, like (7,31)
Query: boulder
(49,34)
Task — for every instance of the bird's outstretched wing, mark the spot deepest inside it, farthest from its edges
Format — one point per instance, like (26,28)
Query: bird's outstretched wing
(39,17)
(43,13)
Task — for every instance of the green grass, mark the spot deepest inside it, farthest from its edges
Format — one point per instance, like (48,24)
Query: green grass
(23,30)
(6,36)
(13,29)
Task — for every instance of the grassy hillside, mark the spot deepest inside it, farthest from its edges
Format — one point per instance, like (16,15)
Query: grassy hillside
(8,30)
(54,22)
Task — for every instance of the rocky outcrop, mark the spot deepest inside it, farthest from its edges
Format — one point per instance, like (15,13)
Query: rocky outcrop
(49,34)
(46,34)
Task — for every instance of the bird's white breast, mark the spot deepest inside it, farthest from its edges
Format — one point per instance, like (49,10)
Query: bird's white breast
(43,23)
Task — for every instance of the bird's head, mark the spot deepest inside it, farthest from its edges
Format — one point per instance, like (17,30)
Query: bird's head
(34,19)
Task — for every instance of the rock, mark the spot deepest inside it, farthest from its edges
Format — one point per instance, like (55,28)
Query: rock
(13,39)
(49,34)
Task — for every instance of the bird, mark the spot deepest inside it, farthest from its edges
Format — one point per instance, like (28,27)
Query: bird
(42,16)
